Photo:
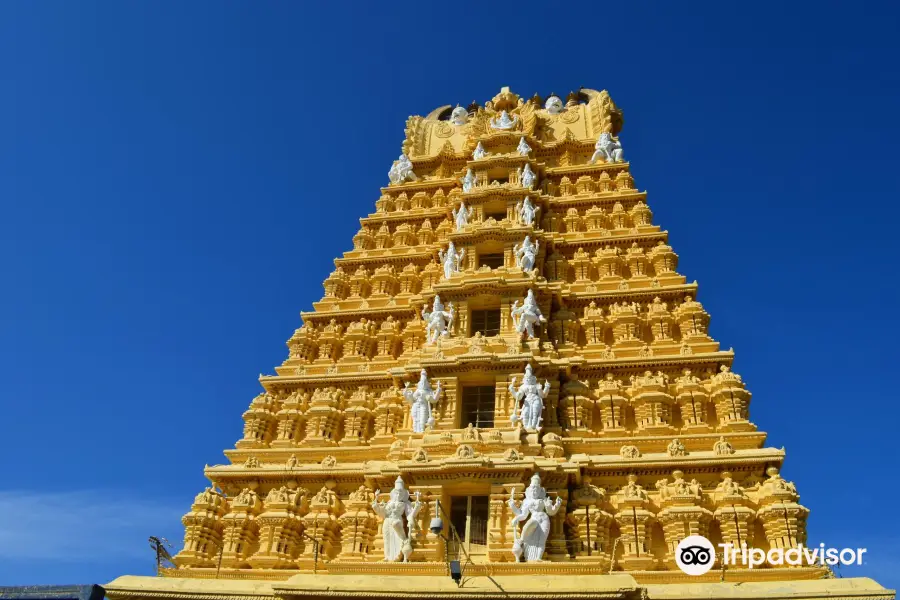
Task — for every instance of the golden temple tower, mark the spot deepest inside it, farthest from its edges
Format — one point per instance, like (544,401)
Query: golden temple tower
(509,320)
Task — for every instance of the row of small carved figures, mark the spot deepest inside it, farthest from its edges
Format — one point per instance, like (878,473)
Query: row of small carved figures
(688,315)
(572,221)
(753,491)
(583,186)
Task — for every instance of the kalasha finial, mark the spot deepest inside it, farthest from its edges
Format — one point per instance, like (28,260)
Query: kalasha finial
(572,99)
(473,108)
(536,100)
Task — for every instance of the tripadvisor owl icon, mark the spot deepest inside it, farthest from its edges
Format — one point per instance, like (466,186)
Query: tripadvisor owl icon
(695,555)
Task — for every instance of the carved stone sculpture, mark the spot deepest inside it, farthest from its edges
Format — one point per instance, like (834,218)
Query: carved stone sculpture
(527,177)
(462,216)
(451,260)
(553,105)
(527,212)
(608,149)
(523,148)
(529,397)
(397,542)
(402,170)
(528,315)
(526,254)
(504,121)
(439,321)
(469,181)
(535,511)
(422,398)
(480,152)
(459,116)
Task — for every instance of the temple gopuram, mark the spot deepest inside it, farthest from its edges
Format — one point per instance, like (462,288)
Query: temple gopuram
(507,390)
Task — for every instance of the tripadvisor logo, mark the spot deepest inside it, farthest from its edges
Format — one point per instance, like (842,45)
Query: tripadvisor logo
(695,555)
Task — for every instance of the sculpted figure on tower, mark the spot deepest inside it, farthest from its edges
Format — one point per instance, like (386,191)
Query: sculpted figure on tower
(535,511)
(529,399)
(607,149)
(527,211)
(451,260)
(523,148)
(461,217)
(439,321)
(459,116)
(480,152)
(422,398)
(527,177)
(402,170)
(394,511)
(469,181)
(553,105)
(504,121)
(526,254)
(528,315)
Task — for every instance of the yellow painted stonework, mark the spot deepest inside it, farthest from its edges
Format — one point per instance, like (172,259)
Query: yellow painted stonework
(646,432)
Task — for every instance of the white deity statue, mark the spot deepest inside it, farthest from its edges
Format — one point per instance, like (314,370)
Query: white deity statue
(527,177)
(451,260)
(469,181)
(480,152)
(459,116)
(536,509)
(607,149)
(462,216)
(529,315)
(396,541)
(439,321)
(402,170)
(527,212)
(504,122)
(529,398)
(422,398)
(554,105)
(526,253)
(523,148)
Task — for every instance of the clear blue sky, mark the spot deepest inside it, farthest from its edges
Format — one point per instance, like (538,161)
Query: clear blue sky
(176,179)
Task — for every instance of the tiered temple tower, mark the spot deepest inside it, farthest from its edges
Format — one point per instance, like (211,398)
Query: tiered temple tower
(642,434)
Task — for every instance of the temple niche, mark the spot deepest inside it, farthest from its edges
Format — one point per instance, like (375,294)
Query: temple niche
(508,349)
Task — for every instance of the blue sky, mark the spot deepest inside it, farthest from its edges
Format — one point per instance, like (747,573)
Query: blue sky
(176,178)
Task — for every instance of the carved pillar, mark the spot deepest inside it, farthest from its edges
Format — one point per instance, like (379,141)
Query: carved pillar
(358,418)
(321,524)
(578,403)
(733,514)
(664,260)
(652,403)
(280,526)
(388,416)
(784,520)
(259,422)
(241,530)
(681,513)
(634,527)
(589,525)
(693,401)
(323,418)
(203,530)
(303,346)
(732,401)
(291,420)
(609,264)
(627,326)
(613,406)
